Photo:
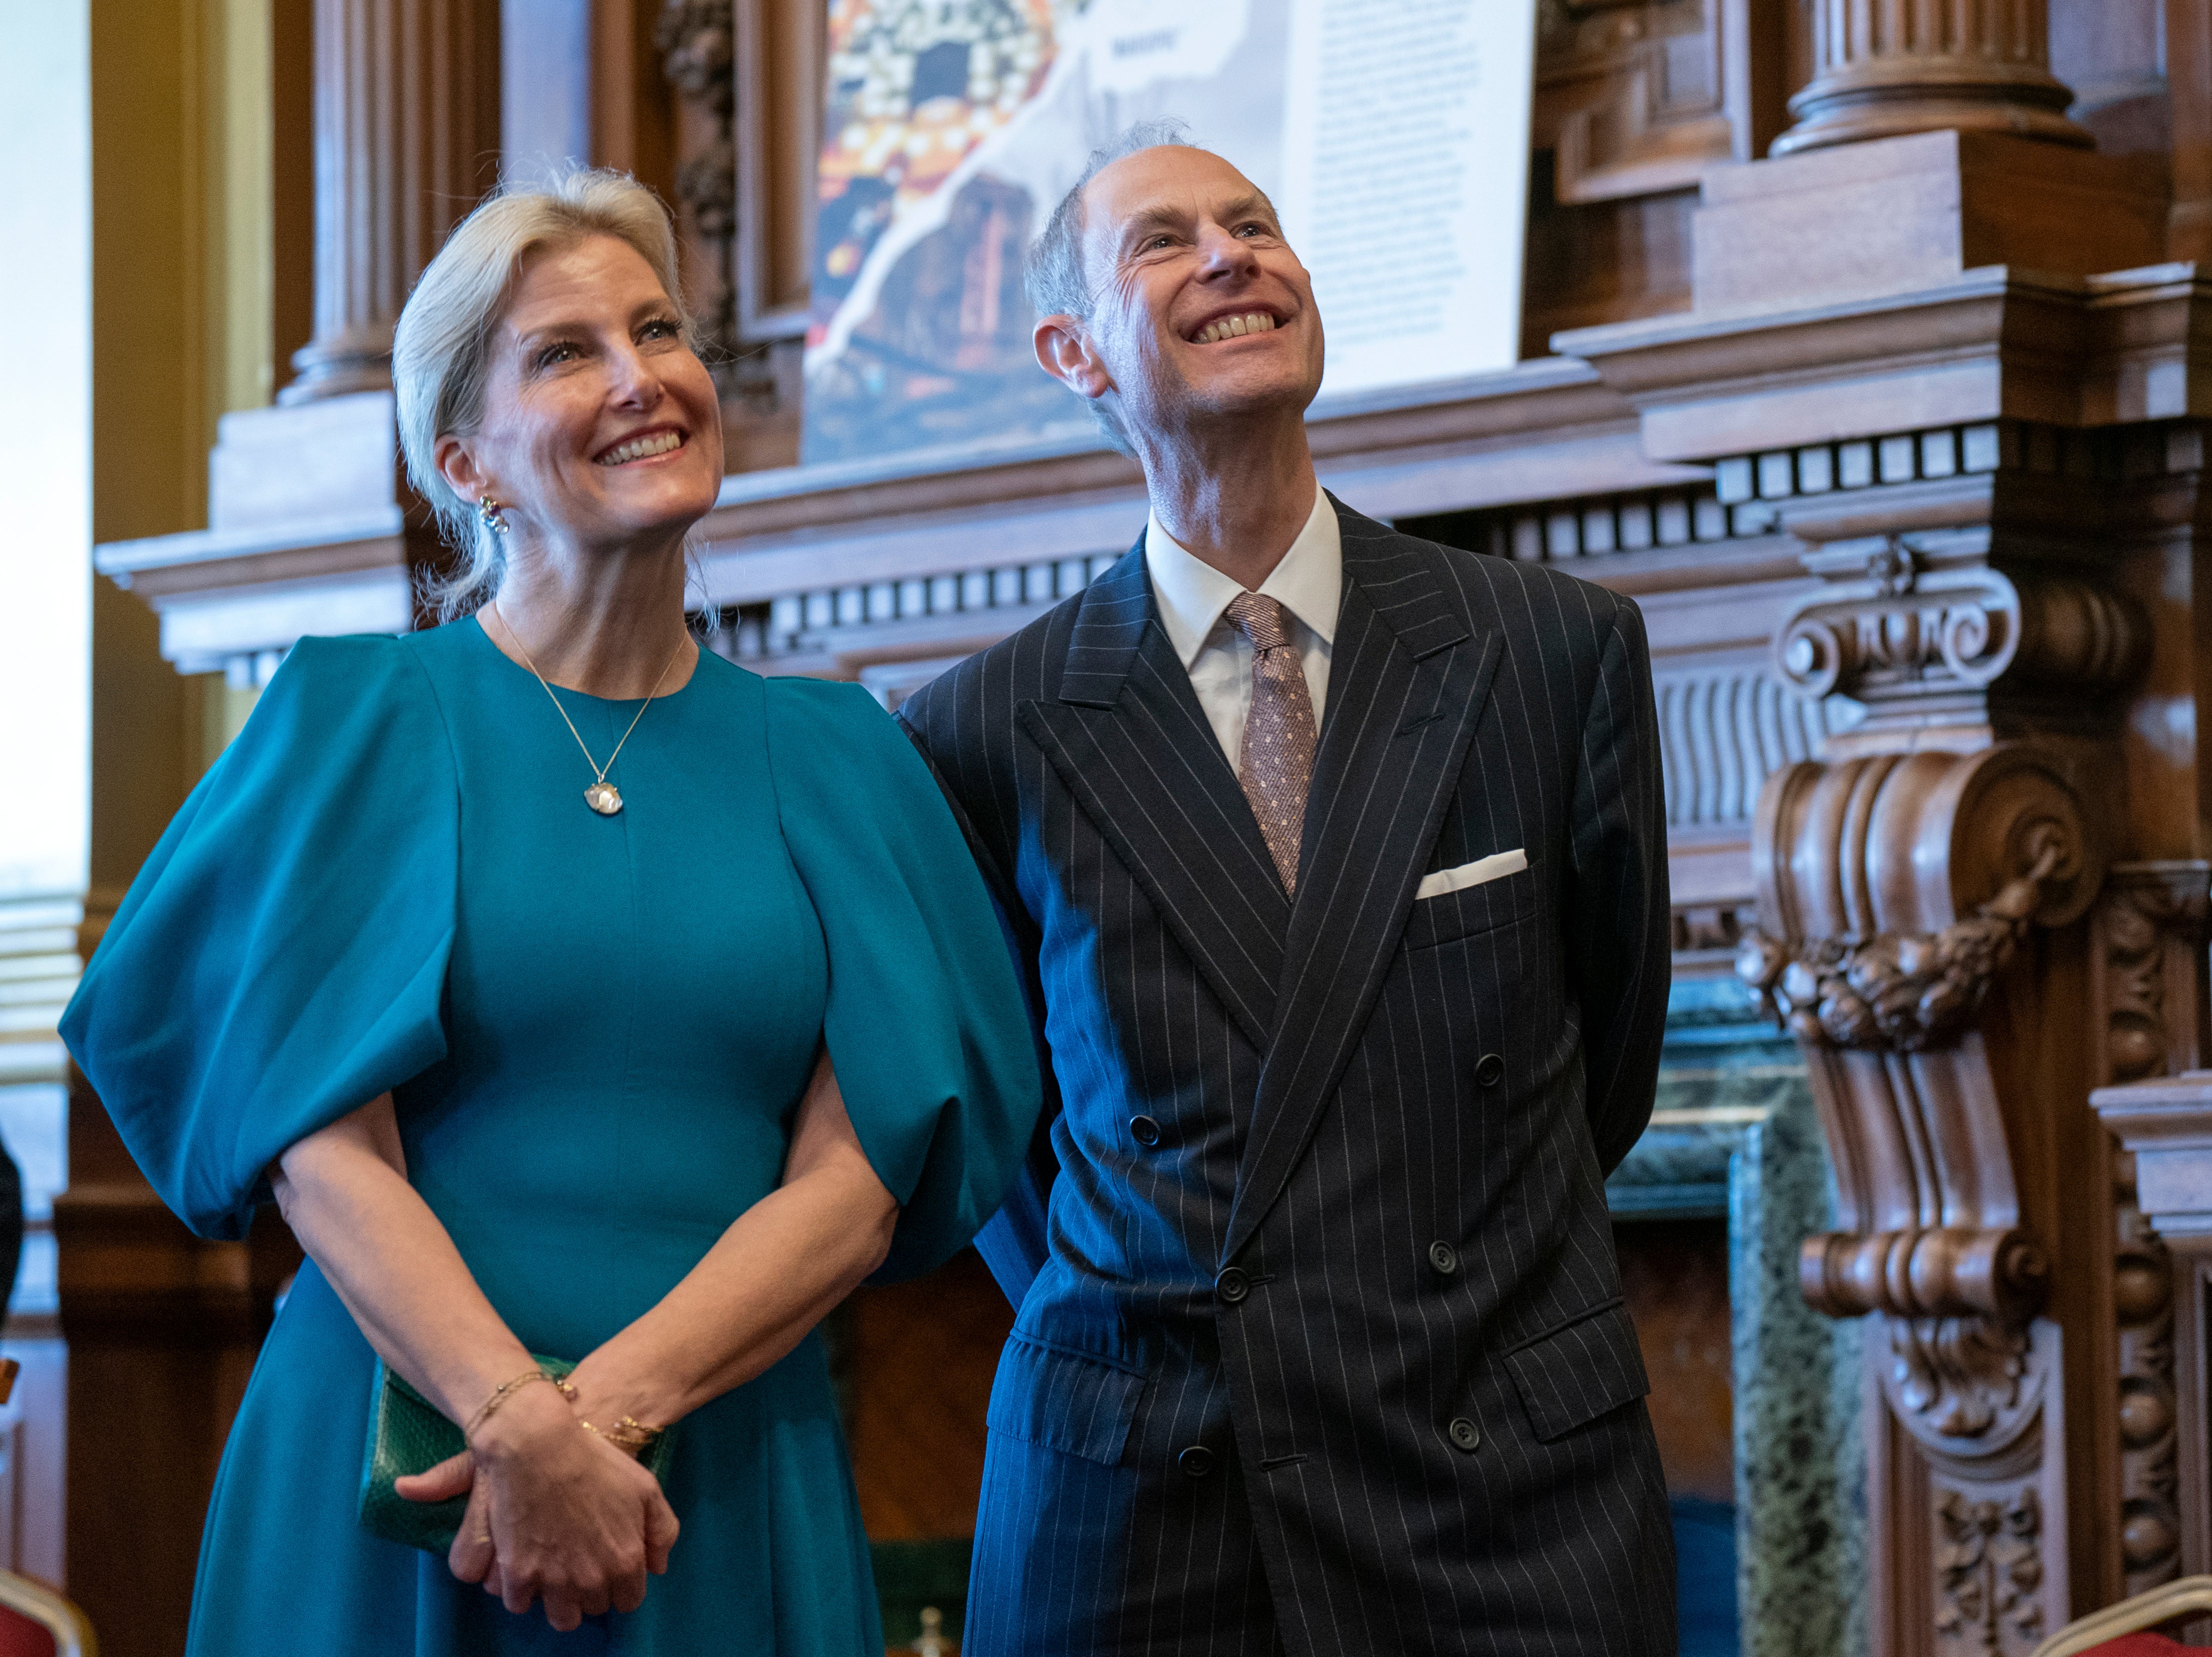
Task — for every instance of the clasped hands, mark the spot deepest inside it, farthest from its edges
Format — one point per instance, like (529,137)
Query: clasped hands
(556,1514)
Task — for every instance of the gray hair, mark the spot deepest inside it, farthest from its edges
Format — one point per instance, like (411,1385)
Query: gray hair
(441,352)
(1054,275)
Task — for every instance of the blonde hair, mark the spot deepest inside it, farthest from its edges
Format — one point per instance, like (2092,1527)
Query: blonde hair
(440,351)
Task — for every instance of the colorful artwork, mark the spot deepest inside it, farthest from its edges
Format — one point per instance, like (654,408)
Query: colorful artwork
(952,127)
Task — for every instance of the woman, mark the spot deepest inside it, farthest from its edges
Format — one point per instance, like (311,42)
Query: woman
(576,993)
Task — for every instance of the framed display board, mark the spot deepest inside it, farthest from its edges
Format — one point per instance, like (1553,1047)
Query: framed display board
(1392,136)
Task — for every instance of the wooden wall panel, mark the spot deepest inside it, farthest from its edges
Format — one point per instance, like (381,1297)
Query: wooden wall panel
(1675,1277)
(915,1361)
(633,105)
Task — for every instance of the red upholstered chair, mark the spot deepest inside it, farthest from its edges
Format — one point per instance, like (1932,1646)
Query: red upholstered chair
(2124,1629)
(36,1622)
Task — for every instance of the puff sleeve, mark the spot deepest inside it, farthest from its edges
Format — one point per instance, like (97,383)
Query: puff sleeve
(280,960)
(925,1024)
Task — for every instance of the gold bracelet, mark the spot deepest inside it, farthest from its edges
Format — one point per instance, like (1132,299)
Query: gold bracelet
(632,1437)
(506,1389)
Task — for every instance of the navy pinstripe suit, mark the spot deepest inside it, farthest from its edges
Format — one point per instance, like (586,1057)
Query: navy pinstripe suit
(1320,1341)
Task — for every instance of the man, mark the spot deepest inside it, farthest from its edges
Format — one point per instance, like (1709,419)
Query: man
(1337,861)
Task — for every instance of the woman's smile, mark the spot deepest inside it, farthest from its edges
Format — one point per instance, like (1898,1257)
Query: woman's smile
(642,446)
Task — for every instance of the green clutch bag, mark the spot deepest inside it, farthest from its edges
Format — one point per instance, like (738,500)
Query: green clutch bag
(407,1435)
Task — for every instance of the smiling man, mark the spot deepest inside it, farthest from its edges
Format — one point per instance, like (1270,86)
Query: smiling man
(1337,861)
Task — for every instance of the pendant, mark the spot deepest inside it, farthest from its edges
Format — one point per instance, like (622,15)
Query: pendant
(603,797)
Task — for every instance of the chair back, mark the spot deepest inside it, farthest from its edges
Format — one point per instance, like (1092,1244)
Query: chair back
(36,1622)
(2121,1630)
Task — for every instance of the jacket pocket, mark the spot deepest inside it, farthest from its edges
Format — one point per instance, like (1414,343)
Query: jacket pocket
(1450,916)
(1570,1377)
(1072,1402)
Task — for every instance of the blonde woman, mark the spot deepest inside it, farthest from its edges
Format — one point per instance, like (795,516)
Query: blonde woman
(578,995)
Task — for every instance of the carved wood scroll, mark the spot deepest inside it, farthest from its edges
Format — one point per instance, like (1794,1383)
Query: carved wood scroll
(1904,622)
(1922,627)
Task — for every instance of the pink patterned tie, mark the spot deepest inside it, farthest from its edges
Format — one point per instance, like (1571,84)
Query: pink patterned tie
(1277,760)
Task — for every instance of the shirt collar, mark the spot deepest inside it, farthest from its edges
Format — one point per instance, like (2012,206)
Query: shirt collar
(1191,594)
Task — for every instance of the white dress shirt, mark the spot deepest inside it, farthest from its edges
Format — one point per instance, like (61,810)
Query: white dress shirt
(1193,597)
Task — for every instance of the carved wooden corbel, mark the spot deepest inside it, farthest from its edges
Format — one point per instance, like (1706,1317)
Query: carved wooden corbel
(1903,897)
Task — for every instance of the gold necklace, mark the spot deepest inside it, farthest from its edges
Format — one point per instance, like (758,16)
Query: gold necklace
(602,796)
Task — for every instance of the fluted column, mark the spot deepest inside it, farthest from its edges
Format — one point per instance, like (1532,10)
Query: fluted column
(1885,67)
(407,136)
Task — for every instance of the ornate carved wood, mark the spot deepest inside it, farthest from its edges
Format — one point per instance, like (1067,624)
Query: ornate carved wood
(698,44)
(1931,922)
(2164,1127)
(1884,68)
(406,141)
(1922,938)
(2148,933)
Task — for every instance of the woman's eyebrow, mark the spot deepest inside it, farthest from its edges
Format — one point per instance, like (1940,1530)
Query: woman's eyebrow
(526,337)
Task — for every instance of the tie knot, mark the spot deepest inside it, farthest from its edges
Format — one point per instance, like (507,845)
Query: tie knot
(1259,619)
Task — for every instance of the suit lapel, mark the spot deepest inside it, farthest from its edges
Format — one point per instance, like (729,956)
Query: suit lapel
(1127,737)
(1408,684)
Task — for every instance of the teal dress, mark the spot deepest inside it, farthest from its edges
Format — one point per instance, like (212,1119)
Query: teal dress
(596,1031)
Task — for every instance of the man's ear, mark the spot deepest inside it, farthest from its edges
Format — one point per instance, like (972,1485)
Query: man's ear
(1064,351)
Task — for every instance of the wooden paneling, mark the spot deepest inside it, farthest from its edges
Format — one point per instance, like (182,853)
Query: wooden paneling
(633,106)
(1674,1274)
(916,1360)
(1631,97)
(162,1331)
(780,51)
(1599,262)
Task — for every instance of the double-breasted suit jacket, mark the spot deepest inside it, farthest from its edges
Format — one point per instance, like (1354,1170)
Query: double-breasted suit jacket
(1320,1337)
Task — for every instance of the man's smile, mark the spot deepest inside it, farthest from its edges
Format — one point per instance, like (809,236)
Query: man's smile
(1235,326)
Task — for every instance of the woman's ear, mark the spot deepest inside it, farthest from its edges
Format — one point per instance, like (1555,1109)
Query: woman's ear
(459,468)
(1064,351)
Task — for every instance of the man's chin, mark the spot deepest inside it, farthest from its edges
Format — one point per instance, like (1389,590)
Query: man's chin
(1240,399)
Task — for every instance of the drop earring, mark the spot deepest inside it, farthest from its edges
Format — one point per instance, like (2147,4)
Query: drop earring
(493,514)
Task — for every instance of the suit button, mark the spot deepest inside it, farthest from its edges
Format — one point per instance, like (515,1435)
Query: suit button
(1489,1071)
(1144,1131)
(1196,1462)
(1233,1285)
(1444,1257)
(1464,1435)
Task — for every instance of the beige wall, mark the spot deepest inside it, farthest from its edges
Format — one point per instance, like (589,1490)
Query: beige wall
(182,283)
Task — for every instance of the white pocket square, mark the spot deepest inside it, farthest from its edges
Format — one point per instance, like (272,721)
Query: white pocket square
(1494,867)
